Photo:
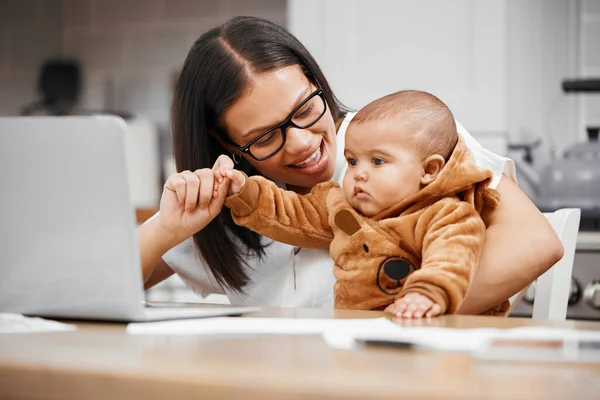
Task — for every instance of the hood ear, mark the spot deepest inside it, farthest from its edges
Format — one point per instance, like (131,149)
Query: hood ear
(346,221)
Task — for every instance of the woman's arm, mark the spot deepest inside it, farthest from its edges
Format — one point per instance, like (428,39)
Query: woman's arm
(160,272)
(519,246)
(153,244)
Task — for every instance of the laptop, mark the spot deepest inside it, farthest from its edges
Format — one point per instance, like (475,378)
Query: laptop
(68,240)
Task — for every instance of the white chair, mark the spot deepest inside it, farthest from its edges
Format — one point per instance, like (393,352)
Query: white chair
(553,287)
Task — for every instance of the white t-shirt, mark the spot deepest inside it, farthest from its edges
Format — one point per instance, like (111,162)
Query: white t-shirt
(293,277)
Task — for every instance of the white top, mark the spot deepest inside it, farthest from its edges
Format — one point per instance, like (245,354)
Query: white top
(304,279)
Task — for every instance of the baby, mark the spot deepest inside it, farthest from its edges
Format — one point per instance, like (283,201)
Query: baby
(404,230)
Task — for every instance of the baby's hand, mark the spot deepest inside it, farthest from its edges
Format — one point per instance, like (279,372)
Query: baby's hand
(414,305)
(238,181)
(226,174)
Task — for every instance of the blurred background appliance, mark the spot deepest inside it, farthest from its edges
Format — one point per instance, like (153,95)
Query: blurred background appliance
(59,87)
(573,181)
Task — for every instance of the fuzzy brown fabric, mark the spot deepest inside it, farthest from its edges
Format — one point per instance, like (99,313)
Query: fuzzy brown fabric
(429,243)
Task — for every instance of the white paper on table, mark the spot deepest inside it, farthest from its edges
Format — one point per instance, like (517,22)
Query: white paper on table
(346,333)
(543,345)
(462,340)
(236,326)
(444,339)
(17,323)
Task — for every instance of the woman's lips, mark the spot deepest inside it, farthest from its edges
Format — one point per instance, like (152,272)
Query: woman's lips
(312,158)
(314,163)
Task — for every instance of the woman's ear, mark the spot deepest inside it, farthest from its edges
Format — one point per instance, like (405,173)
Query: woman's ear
(431,168)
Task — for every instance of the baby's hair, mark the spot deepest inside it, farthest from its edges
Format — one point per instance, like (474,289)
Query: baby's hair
(429,120)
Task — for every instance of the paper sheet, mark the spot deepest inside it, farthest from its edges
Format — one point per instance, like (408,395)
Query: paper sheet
(444,339)
(463,340)
(236,326)
(17,323)
(543,345)
(343,333)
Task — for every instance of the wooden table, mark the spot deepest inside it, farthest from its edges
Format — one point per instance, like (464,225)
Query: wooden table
(100,361)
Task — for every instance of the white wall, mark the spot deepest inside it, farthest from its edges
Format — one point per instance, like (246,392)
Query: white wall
(498,64)
(590,61)
(455,49)
(542,52)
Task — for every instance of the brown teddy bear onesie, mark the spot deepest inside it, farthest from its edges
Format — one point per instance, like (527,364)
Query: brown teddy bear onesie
(428,243)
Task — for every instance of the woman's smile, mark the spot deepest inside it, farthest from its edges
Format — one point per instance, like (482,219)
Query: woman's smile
(315,162)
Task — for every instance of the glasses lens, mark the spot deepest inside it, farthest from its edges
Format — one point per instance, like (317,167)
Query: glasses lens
(268,144)
(309,113)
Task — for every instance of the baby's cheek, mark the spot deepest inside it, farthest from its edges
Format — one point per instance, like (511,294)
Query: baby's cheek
(348,191)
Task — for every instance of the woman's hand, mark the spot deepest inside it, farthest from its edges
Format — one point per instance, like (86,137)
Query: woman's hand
(190,201)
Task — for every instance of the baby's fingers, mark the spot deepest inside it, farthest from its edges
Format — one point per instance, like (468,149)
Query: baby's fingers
(391,308)
(411,309)
(221,166)
(434,311)
(400,307)
(422,308)
(238,180)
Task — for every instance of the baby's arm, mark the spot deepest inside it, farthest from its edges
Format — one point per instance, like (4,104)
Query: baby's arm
(285,216)
(452,242)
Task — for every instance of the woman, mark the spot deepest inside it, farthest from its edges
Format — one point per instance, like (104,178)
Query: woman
(244,90)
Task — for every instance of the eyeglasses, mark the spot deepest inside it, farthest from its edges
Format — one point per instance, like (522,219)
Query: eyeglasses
(305,115)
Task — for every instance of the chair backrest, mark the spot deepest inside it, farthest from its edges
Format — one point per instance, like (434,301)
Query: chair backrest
(553,287)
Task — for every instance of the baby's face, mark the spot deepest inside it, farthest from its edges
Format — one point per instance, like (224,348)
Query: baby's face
(382,170)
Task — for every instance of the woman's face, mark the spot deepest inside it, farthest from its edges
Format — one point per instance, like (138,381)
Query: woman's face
(308,156)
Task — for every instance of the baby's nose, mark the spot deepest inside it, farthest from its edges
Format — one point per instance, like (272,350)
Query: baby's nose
(360,174)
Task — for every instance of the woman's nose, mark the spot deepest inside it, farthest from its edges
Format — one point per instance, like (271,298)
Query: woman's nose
(297,140)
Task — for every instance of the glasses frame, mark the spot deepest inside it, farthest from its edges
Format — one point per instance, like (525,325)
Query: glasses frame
(283,126)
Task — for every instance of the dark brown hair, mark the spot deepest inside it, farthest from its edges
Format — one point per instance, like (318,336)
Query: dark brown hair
(216,72)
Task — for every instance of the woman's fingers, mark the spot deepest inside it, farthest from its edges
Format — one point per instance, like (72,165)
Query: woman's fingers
(205,193)
(177,184)
(215,206)
(192,182)
(193,189)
